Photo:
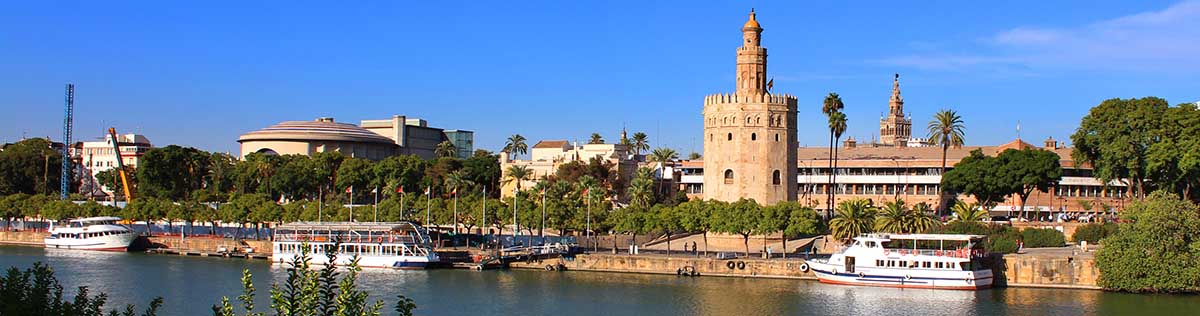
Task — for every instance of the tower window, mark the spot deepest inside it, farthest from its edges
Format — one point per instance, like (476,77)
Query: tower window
(753,136)
(728,176)
(730,137)
(710,137)
(776,136)
(775,178)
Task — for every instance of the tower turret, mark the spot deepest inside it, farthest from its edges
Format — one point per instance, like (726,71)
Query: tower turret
(751,60)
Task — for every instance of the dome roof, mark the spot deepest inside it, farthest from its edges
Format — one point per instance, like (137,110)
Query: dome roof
(323,129)
(752,23)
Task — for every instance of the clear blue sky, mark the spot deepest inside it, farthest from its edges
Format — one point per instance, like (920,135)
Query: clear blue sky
(201,74)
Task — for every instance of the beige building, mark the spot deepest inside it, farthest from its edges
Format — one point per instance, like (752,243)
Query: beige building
(750,135)
(374,139)
(546,156)
(895,129)
(97,156)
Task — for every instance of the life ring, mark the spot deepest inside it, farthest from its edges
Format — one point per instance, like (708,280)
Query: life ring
(741,265)
(907,277)
(887,252)
(833,271)
(549,268)
(678,271)
(804,267)
(937,253)
(862,274)
(969,280)
(730,264)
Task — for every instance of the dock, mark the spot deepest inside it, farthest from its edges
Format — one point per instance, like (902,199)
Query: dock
(197,253)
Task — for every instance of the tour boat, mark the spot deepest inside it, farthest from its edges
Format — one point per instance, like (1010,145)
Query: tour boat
(92,233)
(931,261)
(399,245)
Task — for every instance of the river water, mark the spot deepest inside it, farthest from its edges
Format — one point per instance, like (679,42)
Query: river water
(191,285)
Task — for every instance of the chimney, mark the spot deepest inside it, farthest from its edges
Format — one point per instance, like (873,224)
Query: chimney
(1050,144)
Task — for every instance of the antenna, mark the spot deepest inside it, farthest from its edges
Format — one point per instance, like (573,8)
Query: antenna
(1018,129)
(64,184)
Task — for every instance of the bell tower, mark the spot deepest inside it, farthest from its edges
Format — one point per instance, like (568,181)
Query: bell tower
(750,135)
(895,129)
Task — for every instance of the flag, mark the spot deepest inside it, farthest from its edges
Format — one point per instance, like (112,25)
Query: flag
(543,191)
(586,190)
(770,84)
(350,189)
(428,189)
(376,190)
(455,192)
(400,190)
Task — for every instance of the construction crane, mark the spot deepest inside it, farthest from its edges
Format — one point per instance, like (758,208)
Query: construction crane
(112,133)
(64,185)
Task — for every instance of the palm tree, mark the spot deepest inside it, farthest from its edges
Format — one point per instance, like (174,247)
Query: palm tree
(893,217)
(640,143)
(832,104)
(968,212)
(946,129)
(854,217)
(662,156)
(837,125)
(518,174)
(694,156)
(596,139)
(641,188)
(458,180)
(515,145)
(445,149)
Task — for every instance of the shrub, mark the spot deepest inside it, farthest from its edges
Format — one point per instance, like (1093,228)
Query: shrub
(1000,238)
(1003,244)
(1094,232)
(36,291)
(1042,237)
(1155,249)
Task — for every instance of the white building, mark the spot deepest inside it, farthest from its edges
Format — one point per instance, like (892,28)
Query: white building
(98,156)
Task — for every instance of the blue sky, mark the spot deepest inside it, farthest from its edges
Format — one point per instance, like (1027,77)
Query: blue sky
(200,74)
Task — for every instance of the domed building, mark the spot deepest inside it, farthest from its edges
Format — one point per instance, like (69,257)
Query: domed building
(320,135)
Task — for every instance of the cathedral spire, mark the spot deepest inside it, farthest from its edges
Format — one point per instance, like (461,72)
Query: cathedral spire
(896,104)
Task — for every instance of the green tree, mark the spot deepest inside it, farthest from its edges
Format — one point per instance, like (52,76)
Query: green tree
(596,139)
(980,176)
(484,171)
(30,166)
(802,220)
(832,104)
(968,212)
(37,292)
(947,130)
(446,149)
(355,173)
(854,217)
(641,188)
(111,180)
(1028,170)
(663,156)
(172,172)
(740,218)
(1173,160)
(1115,137)
(220,178)
(837,125)
(641,143)
(1145,254)
(515,145)
(694,216)
(694,156)
(517,174)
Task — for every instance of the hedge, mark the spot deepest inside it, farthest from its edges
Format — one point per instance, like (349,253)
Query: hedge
(1094,232)
(1042,237)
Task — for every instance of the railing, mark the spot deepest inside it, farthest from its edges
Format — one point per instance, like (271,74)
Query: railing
(382,238)
(952,253)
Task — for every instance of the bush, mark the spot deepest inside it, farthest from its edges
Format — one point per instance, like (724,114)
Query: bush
(1000,238)
(1042,237)
(1094,232)
(1155,249)
(1003,244)
(36,292)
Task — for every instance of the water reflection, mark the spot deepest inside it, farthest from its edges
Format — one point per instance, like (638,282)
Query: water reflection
(191,285)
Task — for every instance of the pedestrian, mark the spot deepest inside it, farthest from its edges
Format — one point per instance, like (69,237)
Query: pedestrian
(1020,246)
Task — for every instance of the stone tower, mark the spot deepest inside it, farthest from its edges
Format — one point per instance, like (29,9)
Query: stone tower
(895,129)
(750,135)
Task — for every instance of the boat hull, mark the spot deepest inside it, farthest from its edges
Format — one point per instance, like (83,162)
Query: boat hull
(391,262)
(119,242)
(901,278)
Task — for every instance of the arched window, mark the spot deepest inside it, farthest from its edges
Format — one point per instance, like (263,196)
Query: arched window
(730,137)
(753,136)
(747,120)
(776,136)
(710,137)
(728,176)
(775,178)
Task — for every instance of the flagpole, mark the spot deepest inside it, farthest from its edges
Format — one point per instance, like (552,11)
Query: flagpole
(541,231)
(516,226)
(320,202)
(376,204)
(588,232)
(401,202)
(456,210)
(351,203)
(428,200)
(485,222)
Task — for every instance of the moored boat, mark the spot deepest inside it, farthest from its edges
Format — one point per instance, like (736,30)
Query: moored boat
(400,245)
(933,261)
(92,233)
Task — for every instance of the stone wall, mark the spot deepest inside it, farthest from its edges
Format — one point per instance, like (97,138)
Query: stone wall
(1049,271)
(208,244)
(23,237)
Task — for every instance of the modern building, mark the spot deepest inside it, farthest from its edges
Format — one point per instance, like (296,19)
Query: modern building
(750,135)
(547,155)
(98,156)
(373,139)
(464,142)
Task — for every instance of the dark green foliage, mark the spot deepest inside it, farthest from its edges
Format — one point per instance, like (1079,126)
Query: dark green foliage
(980,176)
(1042,237)
(1115,138)
(30,166)
(1094,232)
(172,172)
(1000,238)
(36,292)
(1155,249)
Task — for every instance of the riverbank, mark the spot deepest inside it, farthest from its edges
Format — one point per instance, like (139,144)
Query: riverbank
(1038,268)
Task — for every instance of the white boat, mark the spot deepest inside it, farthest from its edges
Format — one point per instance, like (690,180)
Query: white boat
(931,261)
(399,245)
(92,233)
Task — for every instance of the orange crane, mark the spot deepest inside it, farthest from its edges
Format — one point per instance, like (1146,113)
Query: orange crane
(112,132)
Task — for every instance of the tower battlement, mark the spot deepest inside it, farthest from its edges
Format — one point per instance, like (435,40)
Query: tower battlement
(734,98)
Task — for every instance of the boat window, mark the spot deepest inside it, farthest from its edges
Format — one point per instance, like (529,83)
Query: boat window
(938,265)
(925,264)
(878,263)
(871,244)
(966,266)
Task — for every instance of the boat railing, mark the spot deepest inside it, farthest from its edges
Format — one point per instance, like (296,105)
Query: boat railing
(355,238)
(952,253)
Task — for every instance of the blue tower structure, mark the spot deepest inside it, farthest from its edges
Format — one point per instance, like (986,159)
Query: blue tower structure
(68,125)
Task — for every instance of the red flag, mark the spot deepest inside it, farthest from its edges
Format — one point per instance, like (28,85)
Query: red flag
(455,192)
(428,189)
(543,191)
(400,190)
(349,189)
(585,190)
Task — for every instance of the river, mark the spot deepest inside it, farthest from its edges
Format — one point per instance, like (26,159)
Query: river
(191,285)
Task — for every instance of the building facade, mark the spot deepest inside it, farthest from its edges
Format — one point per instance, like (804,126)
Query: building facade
(97,156)
(546,156)
(750,135)
(372,139)
(464,142)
